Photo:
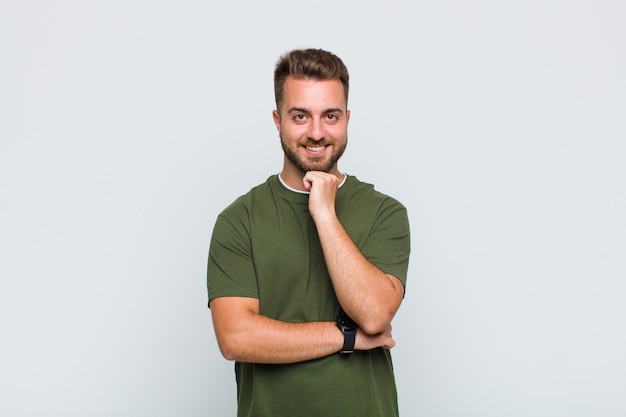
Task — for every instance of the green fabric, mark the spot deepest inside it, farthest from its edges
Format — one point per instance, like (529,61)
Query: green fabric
(265,245)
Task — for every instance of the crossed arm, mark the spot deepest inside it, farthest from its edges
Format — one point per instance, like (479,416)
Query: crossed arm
(369,296)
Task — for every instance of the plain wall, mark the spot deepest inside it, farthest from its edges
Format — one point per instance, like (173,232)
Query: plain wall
(127,126)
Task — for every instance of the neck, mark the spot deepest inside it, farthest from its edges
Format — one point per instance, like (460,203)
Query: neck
(293,177)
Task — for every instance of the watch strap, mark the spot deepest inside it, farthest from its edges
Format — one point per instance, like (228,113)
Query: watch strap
(348,328)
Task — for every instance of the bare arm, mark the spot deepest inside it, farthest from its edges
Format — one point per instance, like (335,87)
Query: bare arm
(368,295)
(246,336)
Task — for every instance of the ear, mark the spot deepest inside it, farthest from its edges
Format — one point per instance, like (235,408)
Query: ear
(276,117)
(347,117)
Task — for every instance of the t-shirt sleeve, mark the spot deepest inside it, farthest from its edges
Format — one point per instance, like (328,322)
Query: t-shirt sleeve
(389,244)
(230,270)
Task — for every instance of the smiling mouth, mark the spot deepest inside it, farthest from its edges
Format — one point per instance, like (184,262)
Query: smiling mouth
(316,148)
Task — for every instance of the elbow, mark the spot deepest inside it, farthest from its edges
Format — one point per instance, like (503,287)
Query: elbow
(228,353)
(229,356)
(233,320)
(375,325)
(378,321)
(377,318)
(373,328)
(230,348)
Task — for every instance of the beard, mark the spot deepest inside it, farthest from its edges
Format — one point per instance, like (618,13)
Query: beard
(316,163)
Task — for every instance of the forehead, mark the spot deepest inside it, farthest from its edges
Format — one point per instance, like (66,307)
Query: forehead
(310,92)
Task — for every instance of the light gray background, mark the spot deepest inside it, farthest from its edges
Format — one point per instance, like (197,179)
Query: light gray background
(126,126)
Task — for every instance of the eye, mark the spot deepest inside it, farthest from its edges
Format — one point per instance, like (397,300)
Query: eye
(332,118)
(299,117)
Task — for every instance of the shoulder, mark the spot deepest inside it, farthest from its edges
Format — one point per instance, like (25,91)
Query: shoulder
(364,192)
(235,219)
(244,203)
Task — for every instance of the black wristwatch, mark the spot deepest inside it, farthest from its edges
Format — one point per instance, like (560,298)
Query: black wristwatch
(348,328)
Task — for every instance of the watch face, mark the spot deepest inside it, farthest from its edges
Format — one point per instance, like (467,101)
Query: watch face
(346,322)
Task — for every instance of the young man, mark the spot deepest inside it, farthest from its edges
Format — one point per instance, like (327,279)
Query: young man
(307,270)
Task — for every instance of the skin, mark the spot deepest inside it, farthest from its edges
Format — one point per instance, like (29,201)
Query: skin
(312,124)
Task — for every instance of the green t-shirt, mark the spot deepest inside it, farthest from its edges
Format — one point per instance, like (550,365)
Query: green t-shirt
(265,245)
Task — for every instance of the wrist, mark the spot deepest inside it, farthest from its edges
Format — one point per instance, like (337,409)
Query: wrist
(326,218)
(349,329)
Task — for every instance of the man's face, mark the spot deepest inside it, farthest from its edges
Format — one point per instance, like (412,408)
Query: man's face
(313,124)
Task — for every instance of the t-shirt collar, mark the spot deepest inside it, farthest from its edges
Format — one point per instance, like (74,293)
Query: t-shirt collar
(305,192)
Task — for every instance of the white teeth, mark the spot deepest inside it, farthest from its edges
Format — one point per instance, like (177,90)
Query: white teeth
(315,148)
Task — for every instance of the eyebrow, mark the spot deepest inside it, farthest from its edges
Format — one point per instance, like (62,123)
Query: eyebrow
(304,110)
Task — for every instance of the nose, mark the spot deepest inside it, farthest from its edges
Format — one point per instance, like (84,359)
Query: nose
(316,130)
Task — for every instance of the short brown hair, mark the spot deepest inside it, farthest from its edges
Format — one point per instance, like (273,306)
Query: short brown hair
(309,63)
